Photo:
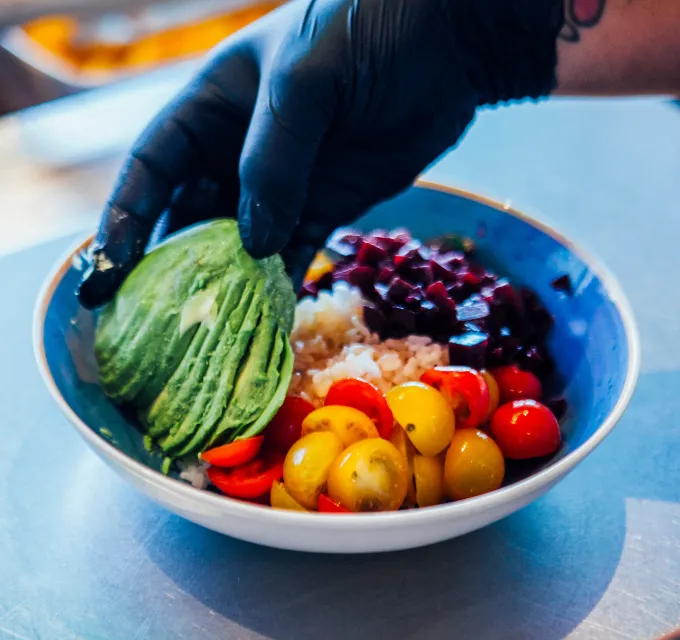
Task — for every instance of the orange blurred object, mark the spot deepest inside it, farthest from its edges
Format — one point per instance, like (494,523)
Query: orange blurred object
(67,39)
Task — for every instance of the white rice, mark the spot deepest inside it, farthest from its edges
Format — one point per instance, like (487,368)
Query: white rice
(331,342)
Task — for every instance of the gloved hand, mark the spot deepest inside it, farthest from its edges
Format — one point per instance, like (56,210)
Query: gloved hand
(305,119)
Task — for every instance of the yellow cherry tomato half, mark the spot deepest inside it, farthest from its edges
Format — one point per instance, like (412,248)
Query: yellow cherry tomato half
(370,475)
(474,465)
(428,476)
(494,394)
(281,499)
(305,469)
(424,414)
(349,424)
(405,447)
(321,265)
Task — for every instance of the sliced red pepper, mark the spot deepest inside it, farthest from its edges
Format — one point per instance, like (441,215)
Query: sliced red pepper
(326,505)
(465,389)
(234,453)
(362,395)
(248,481)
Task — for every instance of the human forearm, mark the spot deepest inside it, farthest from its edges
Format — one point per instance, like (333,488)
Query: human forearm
(619,47)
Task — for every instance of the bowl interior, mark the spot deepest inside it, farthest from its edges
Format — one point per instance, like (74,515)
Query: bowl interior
(589,341)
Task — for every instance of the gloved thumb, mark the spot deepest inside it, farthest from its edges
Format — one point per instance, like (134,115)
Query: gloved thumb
(285,133)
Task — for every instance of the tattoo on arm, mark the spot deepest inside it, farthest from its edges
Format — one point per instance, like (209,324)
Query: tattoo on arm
(581,14)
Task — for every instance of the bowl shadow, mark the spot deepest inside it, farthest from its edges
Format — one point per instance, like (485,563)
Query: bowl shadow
(536,574)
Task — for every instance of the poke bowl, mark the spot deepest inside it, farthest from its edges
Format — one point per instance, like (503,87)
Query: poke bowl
(452,360)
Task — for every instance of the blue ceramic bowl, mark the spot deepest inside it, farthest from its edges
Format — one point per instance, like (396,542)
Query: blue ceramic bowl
(594,342)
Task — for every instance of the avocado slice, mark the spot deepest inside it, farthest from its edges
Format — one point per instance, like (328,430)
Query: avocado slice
(285,374)
(193,430)
(169,410)
(253,388)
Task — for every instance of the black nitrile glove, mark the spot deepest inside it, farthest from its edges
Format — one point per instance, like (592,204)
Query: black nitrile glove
(305,119)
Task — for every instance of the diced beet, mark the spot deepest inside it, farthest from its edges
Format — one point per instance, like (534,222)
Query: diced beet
(381,292)
(472,282)
(414,298)
(473,309)
(469,350)
(386,274)
(359,276)
(558,406)
(437,291)
(451,259)
(489,278)
(408,254)
(374,319)
(325,282)
(402,321)
(308,289)
(537,360)
(398,290)
(442,272)
(505,292)
(422,274)
(435,321)
(457,292)
(495,357)
(370,253)
(344,242)
(563,284)
(401,235)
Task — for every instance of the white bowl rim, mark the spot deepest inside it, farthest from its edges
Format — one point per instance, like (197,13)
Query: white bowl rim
(328,522)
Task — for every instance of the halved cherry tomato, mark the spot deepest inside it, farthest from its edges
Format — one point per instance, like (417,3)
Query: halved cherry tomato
(251,480)
(474,465)
(362,395)
(284,430)
(307,464)
(424,414)
(281,499)
(428,476)
(494,394)
(370,475)
(525,429)
(348,423)
(515,384)
(466,390)
(234,453)
(404,446)
(326,505)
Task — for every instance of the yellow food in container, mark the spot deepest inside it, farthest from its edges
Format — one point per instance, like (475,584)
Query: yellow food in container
(67,41)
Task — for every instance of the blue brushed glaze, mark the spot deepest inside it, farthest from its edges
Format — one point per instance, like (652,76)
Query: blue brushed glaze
(588,341)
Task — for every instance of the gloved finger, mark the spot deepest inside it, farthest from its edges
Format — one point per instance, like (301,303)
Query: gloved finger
(290,120)
(197,200)
(157,164)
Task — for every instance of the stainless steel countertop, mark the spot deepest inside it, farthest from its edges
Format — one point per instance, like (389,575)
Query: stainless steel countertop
(84,556)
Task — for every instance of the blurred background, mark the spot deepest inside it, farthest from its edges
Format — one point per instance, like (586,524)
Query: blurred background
(54,48)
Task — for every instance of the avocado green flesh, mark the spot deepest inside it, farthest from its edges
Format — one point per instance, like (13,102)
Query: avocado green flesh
(252,388)
(197,339)
(221,372)
(169,410)
(285,375)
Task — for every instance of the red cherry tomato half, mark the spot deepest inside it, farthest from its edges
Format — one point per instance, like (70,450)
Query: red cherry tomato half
(362,395)
(284,430)
(515,384)
(234,453)
(525,429)
(465,389)
(248,481)
(326,505)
